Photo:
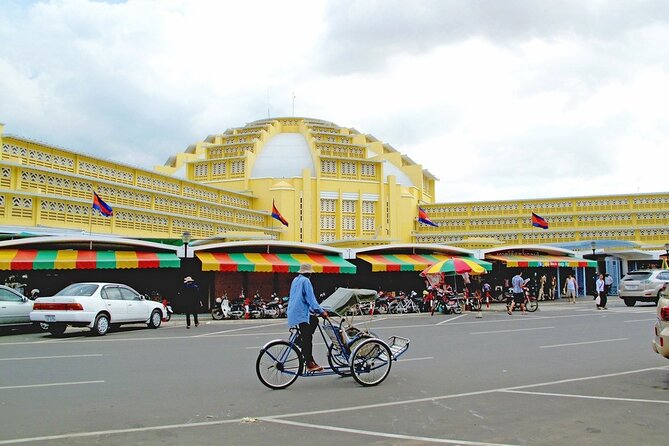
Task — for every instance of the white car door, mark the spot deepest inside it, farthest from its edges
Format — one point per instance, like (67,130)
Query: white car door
(114,303)
(135,304)
(14,309)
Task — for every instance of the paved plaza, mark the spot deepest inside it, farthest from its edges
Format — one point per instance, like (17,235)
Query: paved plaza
(567,374)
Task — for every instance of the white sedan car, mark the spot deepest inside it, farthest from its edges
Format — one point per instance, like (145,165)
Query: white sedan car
(14,307)
(661,339)
(97,306)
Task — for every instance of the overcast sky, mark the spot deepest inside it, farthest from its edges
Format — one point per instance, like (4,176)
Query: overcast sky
(499,99)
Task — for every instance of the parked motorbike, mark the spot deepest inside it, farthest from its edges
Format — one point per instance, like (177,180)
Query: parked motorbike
(449,303)
(221,309)
(168,310)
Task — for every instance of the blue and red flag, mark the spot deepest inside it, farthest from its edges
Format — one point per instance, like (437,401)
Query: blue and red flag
(423,218)
(539,222)
(101,206)
(276,214)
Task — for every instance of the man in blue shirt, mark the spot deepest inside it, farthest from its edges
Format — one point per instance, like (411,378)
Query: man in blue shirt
(302,308)
(517,284)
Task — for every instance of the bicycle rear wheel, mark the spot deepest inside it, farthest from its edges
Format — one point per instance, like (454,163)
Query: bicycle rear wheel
(279,364)
(370,362)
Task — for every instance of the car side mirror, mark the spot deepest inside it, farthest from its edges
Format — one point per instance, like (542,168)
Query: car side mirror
(24,299)
(143,297)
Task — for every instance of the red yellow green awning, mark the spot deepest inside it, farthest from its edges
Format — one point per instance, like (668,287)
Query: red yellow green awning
(272,263)
(408,262)
(37,259)
(527,260)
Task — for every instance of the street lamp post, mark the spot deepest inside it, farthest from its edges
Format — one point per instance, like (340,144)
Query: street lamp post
(593,246)
(185,238)
(666,248)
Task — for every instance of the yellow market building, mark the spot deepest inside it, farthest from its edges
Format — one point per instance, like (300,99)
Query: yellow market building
(339,190)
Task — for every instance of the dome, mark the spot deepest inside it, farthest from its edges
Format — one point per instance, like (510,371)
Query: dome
(286,155)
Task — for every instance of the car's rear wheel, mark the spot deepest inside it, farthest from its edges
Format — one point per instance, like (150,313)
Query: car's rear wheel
(101,325)
(57,329)
(630,302)
(155,319)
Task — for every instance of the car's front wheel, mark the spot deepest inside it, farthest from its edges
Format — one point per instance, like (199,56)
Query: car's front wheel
(57,329)
(630,302)
(155,319)
(101,325)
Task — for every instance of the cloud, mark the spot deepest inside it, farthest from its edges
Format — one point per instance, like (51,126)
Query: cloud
(363,36)
(499,100)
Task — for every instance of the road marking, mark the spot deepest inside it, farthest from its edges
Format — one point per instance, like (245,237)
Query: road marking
(49,357)
(589,397)
(27,386)
(583,343)
(424,358)
(449,320)
(318,412)
(119,431)
(510,331)
(642,320)
(234,329)
(382,434)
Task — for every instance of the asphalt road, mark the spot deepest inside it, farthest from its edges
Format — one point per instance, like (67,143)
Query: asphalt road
(567,374)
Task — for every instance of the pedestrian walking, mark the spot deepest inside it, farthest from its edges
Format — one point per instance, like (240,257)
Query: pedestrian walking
(553,288)
(570,288)
(542,287)
(191,300)
(608,283)
(601,294)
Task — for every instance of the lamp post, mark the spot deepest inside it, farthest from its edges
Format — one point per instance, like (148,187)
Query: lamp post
(666,248)
(185,238)
(593,246)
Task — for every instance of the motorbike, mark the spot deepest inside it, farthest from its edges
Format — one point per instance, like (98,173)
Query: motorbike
(221,309)
(168,310)
(449,303)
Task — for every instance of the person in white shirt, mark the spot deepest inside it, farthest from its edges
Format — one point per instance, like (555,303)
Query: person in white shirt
(599,286)
(570,288)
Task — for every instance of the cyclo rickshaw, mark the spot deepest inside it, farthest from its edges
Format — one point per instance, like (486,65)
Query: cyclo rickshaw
(351,351)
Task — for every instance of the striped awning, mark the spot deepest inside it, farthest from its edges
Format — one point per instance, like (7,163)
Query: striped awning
(408,262)
(37,259)
(518,260)
(272,263)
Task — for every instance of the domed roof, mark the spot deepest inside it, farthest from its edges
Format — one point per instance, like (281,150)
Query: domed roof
(286,155)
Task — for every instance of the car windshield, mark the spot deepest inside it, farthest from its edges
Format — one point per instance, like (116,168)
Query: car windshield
(78,289)
(637,275)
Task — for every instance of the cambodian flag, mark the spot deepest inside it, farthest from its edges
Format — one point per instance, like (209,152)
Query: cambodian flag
(276,214)
(101,206)
(539,222)
(423,218)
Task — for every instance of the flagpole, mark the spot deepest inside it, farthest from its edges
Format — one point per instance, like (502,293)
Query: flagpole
(90,218)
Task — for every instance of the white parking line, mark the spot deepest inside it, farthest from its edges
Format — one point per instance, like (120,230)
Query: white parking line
(642,320)
(510,331)
(27,386)
(382,434)
(234,329)
(583,343)
(424,358)
(588,397)
(325,411)
(449,320)
(49,357)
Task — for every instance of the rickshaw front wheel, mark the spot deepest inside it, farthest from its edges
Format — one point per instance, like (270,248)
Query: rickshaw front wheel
(337,361)
(370,362)
(279,364)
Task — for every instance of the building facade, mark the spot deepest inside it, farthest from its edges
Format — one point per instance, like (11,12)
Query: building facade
(333,185)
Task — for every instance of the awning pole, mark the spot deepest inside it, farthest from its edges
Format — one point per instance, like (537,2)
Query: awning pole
(557,273)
